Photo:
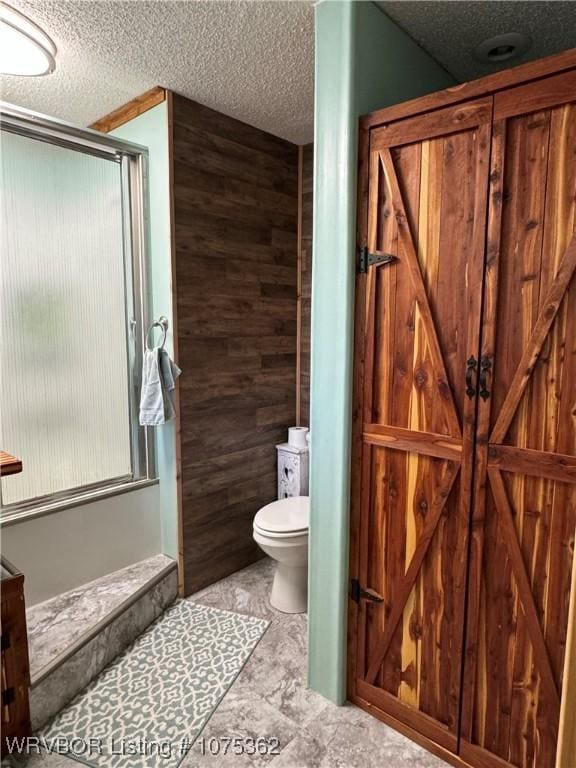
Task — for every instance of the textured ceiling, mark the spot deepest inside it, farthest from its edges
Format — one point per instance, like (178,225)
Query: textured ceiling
(451,29)
(252,60)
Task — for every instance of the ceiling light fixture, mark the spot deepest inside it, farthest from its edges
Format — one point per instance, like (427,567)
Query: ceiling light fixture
(25,49)
(502,47)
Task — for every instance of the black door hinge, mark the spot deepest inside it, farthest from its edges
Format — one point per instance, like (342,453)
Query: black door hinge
(369,259)
(357,593)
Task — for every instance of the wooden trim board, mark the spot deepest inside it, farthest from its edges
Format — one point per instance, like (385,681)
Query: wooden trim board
(533,70)
(305,285)
(129,111)
(299,290)
(423,741)
(9,465)
(177,426)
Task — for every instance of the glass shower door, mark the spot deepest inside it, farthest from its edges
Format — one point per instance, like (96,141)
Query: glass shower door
(65,316)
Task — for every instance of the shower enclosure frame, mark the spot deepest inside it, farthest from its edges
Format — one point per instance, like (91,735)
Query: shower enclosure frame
(133,159)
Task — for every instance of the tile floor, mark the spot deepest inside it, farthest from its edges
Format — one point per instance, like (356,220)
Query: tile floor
(269,699)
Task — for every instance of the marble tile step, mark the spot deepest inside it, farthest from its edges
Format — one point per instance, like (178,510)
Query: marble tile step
(73,636)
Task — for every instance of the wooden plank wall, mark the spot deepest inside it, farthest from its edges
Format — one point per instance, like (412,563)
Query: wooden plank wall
(306,283)
(235,225)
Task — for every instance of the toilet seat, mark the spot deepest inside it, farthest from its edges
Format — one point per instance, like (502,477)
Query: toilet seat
(281,531)
(284,518)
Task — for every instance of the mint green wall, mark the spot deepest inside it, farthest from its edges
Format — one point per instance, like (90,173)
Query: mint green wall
(151,130)
(390,66)
(363,61)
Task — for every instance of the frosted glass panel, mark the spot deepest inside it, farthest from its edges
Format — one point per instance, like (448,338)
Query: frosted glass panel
(64,391)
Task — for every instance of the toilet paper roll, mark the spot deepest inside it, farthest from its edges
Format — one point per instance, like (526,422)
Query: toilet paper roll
(297,437)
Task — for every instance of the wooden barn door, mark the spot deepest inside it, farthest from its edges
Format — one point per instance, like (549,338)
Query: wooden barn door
(524,512)
(417,346)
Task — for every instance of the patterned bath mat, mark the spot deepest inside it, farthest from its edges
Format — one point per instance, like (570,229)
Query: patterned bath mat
(148,706)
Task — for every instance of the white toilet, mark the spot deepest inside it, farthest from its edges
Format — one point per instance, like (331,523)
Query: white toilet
(281,530)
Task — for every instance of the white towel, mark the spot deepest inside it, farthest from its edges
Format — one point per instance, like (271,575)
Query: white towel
(159,374)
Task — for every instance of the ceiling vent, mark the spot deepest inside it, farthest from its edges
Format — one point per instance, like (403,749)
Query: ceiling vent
(501,48)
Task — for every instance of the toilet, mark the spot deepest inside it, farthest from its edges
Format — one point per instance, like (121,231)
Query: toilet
(281,530)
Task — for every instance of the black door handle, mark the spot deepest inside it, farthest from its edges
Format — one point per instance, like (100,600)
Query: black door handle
(471,365)
(485,368)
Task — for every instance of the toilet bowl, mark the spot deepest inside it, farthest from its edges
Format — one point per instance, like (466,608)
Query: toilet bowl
(281,530)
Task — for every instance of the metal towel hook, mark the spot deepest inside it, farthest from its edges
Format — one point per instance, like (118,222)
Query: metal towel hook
(162,322)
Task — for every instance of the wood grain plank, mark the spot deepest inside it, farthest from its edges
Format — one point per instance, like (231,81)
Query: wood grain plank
(442,122)
(469,158)
(532,349)
(175,336)
(403,593)
(526,461)
(533,97)
(449,757)
(402,484)
(402,439)
(9,465)
(478,757)
(15,660)
(129,111)
(506,521)
(526,186)
(507,78)
(306,262)
(425,725)
(370,288)
(553,382)
(421,668)
(420,295)
(236,273)
(360,465)
(566,732)
(505,709)
(396,337)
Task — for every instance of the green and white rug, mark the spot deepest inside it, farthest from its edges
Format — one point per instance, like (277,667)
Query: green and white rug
(146,709)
